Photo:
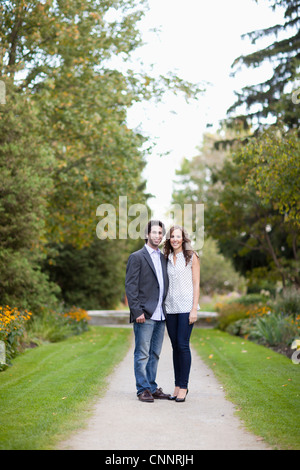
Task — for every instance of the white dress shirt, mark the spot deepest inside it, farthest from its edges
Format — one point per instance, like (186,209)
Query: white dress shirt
(155,256)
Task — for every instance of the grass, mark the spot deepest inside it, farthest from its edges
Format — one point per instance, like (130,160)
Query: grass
(264,385)
(49,390)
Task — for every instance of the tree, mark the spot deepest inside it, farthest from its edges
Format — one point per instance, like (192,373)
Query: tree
(249,231)
(273,160)
(273,96)
(63,48)
(77,151)
(217,272)
(92,277)
(24,184)
(275,173)
(255,227)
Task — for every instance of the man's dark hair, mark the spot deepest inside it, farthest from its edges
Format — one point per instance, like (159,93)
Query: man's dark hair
(150,224)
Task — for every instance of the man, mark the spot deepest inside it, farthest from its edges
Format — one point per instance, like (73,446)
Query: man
(146,288)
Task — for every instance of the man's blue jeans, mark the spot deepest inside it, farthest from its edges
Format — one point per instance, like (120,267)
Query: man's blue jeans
(148,343)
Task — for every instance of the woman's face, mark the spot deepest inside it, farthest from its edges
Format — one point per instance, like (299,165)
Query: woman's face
(176,239)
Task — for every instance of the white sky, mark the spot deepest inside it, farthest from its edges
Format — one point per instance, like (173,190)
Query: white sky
(199,40)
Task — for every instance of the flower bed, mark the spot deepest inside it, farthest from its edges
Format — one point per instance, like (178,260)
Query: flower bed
(78,318)
(18,333)
(12,328)
(267,323)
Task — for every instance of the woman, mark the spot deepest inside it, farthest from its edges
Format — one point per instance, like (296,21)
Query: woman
(181,304)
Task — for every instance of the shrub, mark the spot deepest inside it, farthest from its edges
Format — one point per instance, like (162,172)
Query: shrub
(56,326)
(252,299)
(276,330)
(275,326)
(20,329)
(244,326)
(78,319)
(289,302)
(230,313)
(48,326)
(12,328)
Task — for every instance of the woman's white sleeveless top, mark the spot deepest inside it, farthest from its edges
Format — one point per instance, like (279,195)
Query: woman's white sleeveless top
(180,294)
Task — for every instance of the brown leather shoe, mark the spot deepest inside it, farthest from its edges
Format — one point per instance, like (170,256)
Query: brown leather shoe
(146,396)
(160,394)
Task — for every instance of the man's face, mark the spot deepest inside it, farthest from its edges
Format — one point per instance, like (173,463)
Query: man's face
(155,236)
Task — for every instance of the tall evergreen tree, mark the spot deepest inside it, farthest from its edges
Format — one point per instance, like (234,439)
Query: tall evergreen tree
(273,95)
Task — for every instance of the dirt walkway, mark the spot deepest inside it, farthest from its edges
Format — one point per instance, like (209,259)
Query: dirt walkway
(206,421)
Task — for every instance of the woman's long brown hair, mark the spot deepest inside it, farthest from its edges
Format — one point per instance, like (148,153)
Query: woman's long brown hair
(186,244)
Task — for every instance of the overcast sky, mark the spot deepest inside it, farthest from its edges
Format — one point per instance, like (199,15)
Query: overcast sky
(199,40)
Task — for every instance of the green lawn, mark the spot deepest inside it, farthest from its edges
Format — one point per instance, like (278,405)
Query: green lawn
(264,385)
(48,390)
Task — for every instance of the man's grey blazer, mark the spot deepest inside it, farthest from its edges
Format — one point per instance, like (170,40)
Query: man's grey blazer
(141,284)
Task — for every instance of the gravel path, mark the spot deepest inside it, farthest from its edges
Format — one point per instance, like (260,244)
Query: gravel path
(205,421)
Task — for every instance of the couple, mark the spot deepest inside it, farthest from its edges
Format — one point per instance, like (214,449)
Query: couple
(162,289)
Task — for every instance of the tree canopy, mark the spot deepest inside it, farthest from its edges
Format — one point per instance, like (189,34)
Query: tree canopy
(65,146)
(274,95)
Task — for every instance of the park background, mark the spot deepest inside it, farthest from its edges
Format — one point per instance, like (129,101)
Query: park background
(165,103)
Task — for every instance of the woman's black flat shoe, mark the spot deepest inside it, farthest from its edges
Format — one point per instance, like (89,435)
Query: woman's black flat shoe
(181,400)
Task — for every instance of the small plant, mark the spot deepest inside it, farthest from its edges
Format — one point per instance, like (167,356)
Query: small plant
(229,313)
(56,326)
(254,299)
(48,326)
(246,325)
(289,302)
(78,319)
(275,330)
(12,329)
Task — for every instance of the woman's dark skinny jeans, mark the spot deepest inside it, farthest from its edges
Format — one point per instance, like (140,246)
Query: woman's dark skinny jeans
(179,331)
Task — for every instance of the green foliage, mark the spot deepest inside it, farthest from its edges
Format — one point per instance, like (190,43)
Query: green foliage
(256,306)
(288,302)
(91,277)
(23,283)
(12,328)
(65,147)
(19,329)
(251,201)
(273,159)
(253,220)
(24,158)
(229,313)
(252,299)
(275,330)
(272,95)
(217,272)
(252,227)
(250,232)
(48,326)
(273,322)
(242,327)
(54,326)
